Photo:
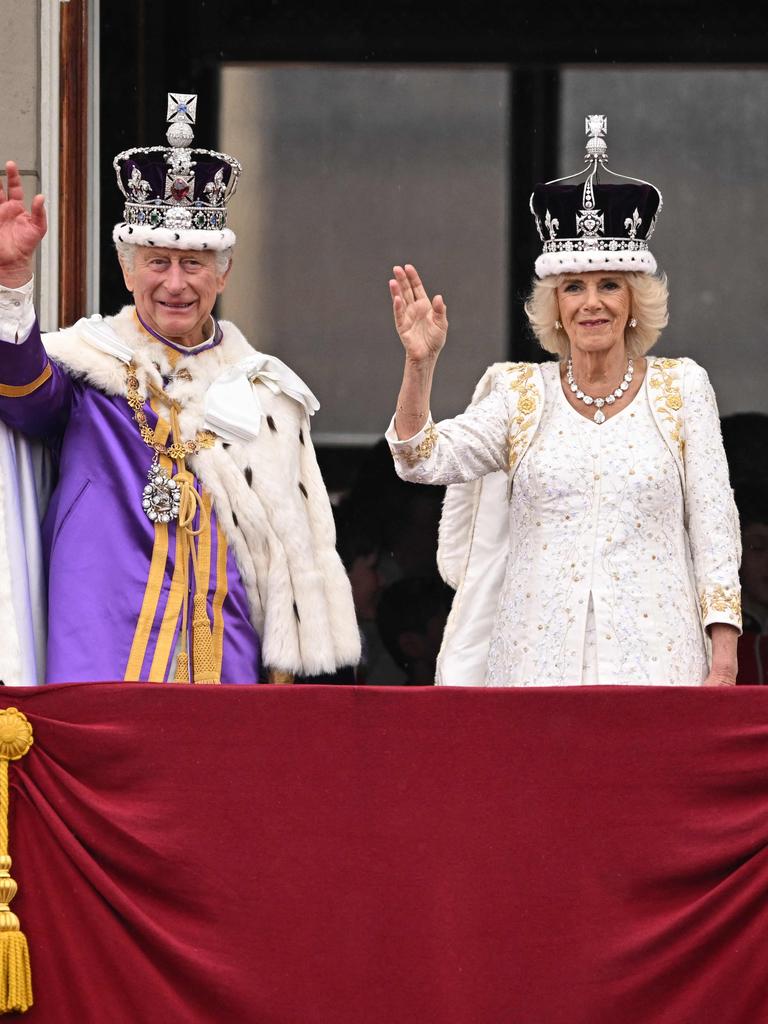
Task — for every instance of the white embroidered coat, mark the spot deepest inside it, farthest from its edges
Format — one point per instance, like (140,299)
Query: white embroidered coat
(478,454)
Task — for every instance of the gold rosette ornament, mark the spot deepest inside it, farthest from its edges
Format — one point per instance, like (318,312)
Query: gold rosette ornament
(15,974)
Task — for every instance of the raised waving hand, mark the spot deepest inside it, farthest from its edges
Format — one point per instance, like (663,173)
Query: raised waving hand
(21,230)
(420,321)
(422,325)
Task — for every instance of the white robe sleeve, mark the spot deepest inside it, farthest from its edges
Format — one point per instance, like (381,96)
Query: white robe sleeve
(22,588)
(712,519)
(457,450)
(17,313)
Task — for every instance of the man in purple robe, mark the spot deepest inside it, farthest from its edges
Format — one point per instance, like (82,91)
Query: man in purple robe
(189,536)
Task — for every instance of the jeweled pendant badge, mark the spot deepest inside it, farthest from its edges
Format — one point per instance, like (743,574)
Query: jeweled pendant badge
(161,499)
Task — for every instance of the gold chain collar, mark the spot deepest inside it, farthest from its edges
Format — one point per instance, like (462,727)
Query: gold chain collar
(180,448)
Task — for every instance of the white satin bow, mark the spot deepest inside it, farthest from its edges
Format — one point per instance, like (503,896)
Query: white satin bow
(232,406)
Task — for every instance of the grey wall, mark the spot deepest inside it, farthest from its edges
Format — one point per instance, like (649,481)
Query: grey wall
(19,89)
(348,170)
(701,136)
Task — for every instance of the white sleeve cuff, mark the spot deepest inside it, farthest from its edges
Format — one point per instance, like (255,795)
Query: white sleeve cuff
(721,604)
(394,440)
(17,312)
(412,451)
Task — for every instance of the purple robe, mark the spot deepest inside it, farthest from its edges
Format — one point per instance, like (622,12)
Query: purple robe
(114,588)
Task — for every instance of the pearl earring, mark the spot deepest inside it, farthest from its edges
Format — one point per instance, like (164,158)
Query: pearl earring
(558,325)
(632,322)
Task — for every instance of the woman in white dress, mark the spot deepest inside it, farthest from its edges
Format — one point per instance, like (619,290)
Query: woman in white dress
(589,528)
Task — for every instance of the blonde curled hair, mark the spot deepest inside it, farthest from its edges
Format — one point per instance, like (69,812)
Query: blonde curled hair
(648,305)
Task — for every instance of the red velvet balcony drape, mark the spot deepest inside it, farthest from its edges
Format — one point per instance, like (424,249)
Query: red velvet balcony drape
(320,855)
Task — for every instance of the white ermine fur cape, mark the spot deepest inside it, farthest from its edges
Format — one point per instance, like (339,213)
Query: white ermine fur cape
(268,494)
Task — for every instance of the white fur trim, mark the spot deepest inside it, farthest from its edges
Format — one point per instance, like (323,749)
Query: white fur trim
(550,263)
(281,535)
(165,238)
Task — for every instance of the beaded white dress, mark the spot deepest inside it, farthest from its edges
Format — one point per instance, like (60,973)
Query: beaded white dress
(619,542)
(597,511)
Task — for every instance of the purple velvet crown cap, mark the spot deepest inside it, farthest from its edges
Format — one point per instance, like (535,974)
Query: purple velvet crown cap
(595,225)
(154,170)
(176,196)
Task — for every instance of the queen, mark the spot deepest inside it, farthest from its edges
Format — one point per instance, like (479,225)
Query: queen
(589,527)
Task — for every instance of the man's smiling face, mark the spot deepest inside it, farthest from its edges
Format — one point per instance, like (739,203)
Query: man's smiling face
(175,291)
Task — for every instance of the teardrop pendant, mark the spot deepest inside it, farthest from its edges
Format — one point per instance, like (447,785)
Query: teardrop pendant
(619,392)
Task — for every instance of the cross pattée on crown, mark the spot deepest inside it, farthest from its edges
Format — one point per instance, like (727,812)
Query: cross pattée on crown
(182,107)
(596,125)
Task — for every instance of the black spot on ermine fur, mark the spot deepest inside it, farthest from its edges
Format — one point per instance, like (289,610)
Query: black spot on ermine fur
(303,490)
(271,424)
(249,475)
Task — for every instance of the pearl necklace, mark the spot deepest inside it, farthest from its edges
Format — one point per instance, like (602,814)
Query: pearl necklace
(609,399)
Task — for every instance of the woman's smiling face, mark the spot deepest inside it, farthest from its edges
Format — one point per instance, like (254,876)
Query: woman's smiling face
(594,309)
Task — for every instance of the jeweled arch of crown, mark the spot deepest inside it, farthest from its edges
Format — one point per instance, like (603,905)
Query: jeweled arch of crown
(177,208)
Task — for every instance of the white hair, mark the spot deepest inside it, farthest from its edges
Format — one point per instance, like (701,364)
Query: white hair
(126,253)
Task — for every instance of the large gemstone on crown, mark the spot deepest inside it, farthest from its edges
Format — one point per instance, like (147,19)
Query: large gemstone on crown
(179,190)
(178,217)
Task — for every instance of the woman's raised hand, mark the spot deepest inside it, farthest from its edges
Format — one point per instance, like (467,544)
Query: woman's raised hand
(21,230)
(421,323)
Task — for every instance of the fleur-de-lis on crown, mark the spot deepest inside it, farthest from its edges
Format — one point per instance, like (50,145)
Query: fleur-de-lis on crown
(552,225)
(215,190)
(633,223)
(138,188)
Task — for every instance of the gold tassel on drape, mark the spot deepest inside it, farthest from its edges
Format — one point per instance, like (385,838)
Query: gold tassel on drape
(15,973)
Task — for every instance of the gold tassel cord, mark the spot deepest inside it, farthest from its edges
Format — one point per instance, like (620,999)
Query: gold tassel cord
(203,666)
(15,971)
(203,656)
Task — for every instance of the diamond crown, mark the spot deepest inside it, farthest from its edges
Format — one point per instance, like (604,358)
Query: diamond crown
(595,228)
(176,186)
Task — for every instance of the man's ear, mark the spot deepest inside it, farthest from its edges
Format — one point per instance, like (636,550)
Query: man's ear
(222,281)
(128,275)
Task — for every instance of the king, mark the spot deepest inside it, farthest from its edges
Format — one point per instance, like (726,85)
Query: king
(187,535)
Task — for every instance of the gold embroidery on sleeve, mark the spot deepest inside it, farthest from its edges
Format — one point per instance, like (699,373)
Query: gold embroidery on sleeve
(527,403)
(721,599)
(668,399)
(422,451)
